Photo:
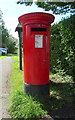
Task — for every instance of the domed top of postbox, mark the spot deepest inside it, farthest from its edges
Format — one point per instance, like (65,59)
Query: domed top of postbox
(36,17)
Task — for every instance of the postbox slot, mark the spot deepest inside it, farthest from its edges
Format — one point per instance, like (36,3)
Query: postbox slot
(38,29)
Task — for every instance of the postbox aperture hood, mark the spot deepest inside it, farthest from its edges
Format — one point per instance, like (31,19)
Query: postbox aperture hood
(36,17)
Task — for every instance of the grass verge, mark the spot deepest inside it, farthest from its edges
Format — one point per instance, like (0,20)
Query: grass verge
(20,104)
(62,91)
(1,57)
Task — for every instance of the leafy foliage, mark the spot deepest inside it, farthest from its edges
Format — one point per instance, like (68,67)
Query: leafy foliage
(12,45)
(55,7)
(63,46)
(8,41)
(5,36)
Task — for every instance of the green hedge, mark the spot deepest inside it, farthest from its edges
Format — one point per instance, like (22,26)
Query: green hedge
(63,46)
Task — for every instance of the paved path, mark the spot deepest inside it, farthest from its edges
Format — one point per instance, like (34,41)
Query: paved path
(5,70)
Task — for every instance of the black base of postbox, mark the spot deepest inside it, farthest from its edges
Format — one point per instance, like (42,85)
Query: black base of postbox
(37,90)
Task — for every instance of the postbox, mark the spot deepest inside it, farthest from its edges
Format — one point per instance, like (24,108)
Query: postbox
(36,51)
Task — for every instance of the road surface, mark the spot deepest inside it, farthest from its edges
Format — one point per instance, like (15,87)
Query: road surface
(5,70)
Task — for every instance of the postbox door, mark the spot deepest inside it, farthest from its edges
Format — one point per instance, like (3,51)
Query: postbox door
(36,52)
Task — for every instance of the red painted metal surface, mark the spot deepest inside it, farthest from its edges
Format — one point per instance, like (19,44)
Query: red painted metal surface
(36,47)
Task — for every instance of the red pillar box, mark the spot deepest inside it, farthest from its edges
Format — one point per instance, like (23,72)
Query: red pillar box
(36,50)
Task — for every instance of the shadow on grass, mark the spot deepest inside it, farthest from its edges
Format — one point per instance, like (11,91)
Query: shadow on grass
(60,104)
